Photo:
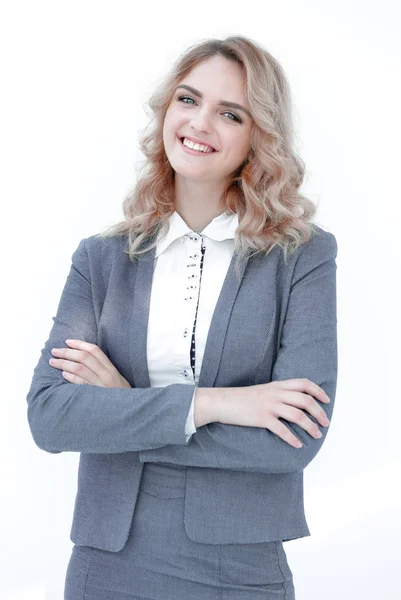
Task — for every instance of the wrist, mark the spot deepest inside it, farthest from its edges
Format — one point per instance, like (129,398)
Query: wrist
(216,405)
(206,405)
(228,405)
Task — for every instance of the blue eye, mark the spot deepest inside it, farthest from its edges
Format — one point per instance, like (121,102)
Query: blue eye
(185,98)
(182,98)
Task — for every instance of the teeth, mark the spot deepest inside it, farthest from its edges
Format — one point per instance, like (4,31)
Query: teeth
(199,147)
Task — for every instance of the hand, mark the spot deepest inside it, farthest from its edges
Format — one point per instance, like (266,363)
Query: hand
(83,362)
(261,406)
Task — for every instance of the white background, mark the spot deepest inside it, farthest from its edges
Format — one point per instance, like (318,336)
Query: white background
(74,80)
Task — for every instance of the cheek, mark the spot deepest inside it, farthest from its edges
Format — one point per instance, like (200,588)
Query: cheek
(169,117)
(244,146)
(168,134)
(171,127)
(238,147)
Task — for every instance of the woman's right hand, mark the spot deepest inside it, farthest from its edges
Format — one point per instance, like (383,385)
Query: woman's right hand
(261,406)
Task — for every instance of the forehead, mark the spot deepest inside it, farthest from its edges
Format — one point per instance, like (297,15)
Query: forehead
(218,74)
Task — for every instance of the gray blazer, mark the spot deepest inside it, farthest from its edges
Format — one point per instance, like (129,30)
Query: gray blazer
(243,484)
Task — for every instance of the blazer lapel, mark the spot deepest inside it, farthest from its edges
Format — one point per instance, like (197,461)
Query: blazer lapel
(219,324)
(217,331)
(139,320)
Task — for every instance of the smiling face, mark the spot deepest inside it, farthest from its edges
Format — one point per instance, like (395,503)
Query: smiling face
(202,112)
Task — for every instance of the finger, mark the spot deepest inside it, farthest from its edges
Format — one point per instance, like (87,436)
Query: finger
(306,402)
(277,427)
(73,378)
(77,369)
(294,415)
(79,356)
(92,350)
(305,385)
(316,391)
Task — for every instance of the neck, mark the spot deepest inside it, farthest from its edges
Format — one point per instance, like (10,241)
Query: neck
(198,203)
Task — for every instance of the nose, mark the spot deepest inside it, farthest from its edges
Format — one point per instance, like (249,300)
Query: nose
(201,122)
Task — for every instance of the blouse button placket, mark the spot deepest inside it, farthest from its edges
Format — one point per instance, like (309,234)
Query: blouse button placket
(195,256)
(191,264)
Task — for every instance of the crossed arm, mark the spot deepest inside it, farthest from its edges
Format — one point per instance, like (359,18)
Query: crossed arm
(65,416)
(308,350)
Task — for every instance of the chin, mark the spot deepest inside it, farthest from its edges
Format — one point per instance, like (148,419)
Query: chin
(191,175)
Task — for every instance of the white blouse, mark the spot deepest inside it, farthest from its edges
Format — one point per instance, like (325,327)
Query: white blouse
(177,297)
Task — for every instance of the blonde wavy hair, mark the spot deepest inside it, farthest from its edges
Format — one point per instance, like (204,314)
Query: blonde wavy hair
(264,192)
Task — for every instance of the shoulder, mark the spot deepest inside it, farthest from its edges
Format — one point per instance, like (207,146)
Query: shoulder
(96,244)
(96,248)
(321,244)
(319,249)
(95,255)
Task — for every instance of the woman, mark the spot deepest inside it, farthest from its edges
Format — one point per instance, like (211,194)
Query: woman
(204,329)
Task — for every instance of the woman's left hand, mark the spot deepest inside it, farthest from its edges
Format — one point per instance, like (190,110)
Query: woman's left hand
(83,362)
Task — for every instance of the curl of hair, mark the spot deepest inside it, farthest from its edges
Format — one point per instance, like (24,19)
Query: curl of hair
(264,192)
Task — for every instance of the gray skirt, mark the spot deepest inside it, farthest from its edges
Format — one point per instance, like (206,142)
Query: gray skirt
(160,561)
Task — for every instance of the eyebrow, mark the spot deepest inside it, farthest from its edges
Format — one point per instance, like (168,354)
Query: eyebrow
(221,103)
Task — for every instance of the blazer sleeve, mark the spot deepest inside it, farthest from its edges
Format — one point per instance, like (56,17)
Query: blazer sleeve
(308,348)
(65,416)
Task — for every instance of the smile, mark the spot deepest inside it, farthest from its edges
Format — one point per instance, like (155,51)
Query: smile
(193,151)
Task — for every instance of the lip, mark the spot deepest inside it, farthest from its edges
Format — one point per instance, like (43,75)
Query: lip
(196,141)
